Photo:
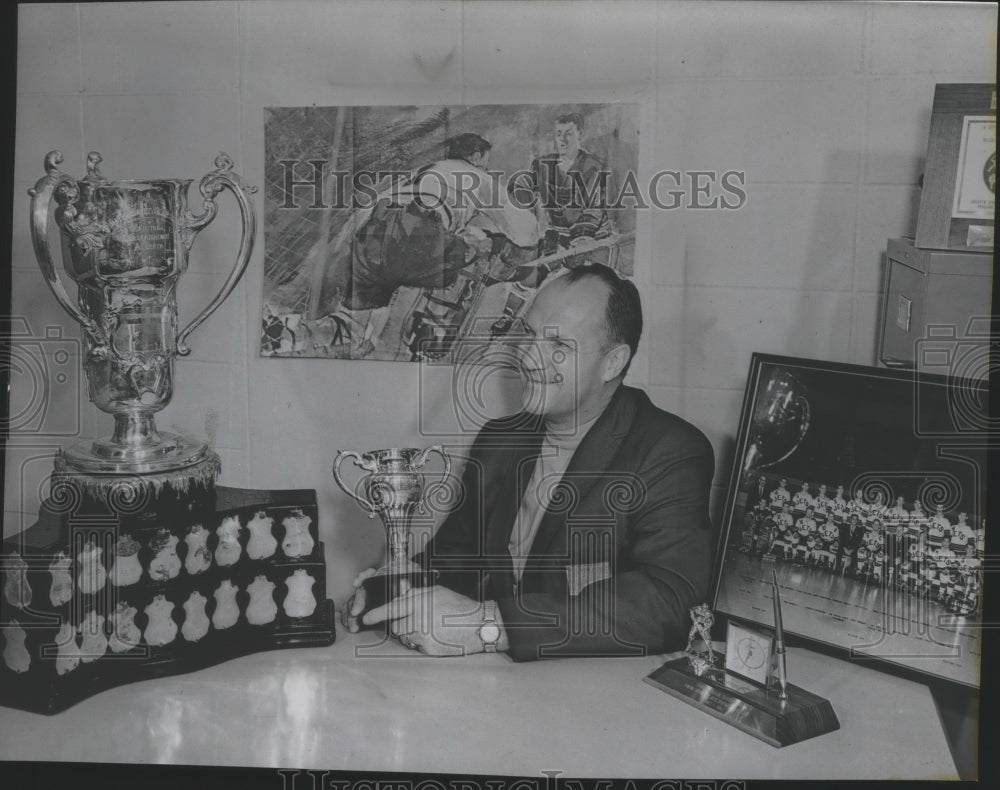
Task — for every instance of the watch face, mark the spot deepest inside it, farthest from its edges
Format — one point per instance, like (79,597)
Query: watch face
(489,633)
(748,653)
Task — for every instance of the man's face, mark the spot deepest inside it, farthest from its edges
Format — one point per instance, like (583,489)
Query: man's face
(563,361)
(567,140)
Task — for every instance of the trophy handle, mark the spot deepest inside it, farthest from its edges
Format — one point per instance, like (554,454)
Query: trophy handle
(342,456)
(421,459)
(63,187)
(210,186)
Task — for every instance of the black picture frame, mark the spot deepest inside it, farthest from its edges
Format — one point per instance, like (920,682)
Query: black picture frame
(905,596)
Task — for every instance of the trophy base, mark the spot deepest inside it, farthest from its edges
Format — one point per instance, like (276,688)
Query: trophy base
(748,706)
(104,456)
(38,674)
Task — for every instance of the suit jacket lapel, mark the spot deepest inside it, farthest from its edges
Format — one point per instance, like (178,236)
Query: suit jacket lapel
(594,455)
(511,481)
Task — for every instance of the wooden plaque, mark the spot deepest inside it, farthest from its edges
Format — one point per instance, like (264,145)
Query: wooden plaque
(959,187)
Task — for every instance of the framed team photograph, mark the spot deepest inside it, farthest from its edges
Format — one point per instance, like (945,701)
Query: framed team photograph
(864,489)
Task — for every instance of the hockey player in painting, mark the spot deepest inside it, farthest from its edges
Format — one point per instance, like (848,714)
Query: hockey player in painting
(422,233)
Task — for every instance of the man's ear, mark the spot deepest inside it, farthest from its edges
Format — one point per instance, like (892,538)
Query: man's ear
(615,361)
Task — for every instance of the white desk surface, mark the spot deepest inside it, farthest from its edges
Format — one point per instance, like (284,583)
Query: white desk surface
(332,708)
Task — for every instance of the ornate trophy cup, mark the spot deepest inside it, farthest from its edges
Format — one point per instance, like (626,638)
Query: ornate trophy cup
(394,489)
(125,244)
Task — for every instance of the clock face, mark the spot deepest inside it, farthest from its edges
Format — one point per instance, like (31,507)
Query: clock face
(751,652)
(748,653)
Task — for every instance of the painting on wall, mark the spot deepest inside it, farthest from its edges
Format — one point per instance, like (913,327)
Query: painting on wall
(404,233)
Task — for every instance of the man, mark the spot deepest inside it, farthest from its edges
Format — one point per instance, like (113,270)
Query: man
(781,494)
(823,501)
(962,536)
(806,529)
(852,533)
(941,519)
(754,523)
(570,185)
(802,498)
(857,506)
(839,506)
(827,538)
(762,488)
(584,525)
(569,190)
(785,537)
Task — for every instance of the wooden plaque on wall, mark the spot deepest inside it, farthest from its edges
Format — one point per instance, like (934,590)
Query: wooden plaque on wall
(959,188)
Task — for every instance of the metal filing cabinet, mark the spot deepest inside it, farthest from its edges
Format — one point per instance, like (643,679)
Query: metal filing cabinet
(933,300)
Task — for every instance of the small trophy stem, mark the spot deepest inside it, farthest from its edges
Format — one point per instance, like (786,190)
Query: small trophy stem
(399,545)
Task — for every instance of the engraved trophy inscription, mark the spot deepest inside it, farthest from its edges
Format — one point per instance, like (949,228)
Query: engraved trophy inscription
(125,244)
(393,489)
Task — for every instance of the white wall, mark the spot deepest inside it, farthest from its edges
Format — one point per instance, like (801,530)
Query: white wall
(826,108)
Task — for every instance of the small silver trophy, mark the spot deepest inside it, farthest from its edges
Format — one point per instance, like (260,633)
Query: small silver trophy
(125,245)
(393,489)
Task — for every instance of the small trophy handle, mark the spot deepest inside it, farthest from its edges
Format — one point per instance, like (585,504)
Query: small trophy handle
(210,186)
(421,459)
(359,460)
(64,188)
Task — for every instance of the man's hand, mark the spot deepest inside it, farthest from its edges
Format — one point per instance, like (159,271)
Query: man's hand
(356,603)
(437,620)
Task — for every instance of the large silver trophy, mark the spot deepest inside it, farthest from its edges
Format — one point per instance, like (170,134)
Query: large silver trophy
(125,245)
(394,489)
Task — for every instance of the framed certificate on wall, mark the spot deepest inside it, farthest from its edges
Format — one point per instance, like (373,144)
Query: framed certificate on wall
(959,187)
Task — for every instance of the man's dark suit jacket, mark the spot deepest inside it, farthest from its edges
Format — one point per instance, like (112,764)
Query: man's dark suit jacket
(849,541)
(630,517)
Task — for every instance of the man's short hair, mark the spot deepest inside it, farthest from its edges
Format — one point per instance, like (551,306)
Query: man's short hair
(623,313)
(572,117)
(464,145)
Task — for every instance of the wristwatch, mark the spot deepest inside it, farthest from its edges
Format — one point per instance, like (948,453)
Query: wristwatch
(489,631)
